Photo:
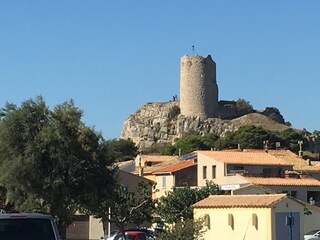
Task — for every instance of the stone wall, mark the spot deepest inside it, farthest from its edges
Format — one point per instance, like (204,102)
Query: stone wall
(198,87)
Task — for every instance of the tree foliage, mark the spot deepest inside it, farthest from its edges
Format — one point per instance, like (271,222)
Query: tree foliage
(243,106)
(176,206)
(187,230)
(290,138)
(247,137)
(122,149)
(50,161)
(127,206)
(189,143)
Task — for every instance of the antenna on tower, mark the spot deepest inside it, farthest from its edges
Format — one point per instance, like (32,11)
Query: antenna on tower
(193,49)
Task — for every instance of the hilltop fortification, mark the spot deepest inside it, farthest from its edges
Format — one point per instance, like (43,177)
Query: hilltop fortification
(197,110)
(198,87)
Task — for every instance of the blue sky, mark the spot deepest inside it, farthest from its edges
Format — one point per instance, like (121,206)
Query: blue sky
(111,57)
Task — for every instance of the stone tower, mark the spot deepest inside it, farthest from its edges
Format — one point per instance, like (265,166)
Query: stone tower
(198,87)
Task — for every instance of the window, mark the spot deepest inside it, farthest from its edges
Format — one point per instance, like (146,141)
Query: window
(214,171)
(164,181)
(255,220)
(238,168)
(293,194)
(204,172)
(207,221)
(231,221)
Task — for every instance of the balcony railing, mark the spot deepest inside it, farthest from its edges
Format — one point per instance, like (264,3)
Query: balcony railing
(266,175)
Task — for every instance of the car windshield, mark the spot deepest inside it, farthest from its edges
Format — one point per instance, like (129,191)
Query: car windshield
(312,232)
(26,229)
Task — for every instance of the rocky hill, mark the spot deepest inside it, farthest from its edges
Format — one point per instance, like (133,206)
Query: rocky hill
(161,122)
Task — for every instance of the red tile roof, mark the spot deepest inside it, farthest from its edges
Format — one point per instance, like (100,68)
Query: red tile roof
(236,201)
(175,167)
(245,157)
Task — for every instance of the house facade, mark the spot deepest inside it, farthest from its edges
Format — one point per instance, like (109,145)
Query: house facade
(251,217)
(225,168)
(272,169)
(311,216)
(180,174)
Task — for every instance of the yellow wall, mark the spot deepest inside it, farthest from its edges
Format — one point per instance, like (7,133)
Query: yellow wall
(242,228)
(160,190)
(95,228)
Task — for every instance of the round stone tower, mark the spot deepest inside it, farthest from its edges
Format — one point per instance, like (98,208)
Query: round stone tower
(198,87)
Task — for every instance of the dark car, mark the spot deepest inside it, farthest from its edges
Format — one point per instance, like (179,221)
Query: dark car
(27,226)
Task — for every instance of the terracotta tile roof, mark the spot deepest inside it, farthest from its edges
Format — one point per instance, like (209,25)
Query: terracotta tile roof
(244,201)
(262,188)
(289,157)
(284,181)
(245,157)
(286,156)
(151,169)
(156,158)
(175,167)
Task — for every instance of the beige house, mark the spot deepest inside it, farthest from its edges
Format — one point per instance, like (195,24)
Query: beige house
(251,217)
(145,165)
(311,218)
(299,164)
(226,167)
(165,171)
(279,170)
(180,174)
(304,189)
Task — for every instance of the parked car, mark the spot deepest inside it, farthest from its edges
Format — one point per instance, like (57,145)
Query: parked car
(312,235)
(133,235)
(28,226)
(113,234)
(141,229)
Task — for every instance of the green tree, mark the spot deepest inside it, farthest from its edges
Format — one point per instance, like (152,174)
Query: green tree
(187,230)
(127,206)
(122,149)
(168,149)
(249,137)
(51,162)
(290,138)
(176,206)
(243,106)
(189,143)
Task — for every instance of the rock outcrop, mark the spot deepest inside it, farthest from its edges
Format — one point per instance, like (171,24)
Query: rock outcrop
(160,123)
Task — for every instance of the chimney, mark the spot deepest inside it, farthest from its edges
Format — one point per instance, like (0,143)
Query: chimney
(300,151)
(308,162)
(139,163)
(141,171)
